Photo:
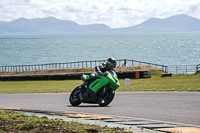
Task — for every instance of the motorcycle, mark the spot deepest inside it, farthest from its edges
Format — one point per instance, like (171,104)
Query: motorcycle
(100,90)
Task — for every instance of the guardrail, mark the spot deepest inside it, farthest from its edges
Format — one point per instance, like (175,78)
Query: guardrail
(78,64)
(67,65)
(183,69)
(127,62)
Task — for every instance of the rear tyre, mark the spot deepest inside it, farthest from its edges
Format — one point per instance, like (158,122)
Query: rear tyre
(105,99)
(74,98)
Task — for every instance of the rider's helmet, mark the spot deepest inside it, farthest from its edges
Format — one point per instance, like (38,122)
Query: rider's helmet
(111,63)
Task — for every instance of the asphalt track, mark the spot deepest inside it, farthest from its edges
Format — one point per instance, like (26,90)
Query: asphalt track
(179,107)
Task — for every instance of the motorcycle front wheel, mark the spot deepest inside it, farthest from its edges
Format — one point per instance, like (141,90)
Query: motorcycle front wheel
(74,97)
(105,99)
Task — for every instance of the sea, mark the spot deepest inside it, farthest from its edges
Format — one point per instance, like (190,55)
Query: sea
(163,49)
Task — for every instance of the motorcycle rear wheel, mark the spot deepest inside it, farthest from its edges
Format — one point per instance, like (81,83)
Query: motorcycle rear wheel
(74,97)
(105,99)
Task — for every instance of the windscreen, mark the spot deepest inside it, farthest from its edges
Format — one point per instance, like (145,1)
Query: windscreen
(113,73)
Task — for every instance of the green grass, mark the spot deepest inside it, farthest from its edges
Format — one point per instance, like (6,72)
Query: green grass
(175,83)
(38,86)
(11,121)
(155,83)
(158,83)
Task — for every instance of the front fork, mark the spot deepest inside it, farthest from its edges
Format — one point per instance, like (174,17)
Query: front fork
(83,89)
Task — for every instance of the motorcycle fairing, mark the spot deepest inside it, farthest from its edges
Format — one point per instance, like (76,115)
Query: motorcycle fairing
(89,96)
(99,83)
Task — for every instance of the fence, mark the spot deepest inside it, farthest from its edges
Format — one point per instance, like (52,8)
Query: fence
(183,69)
(78,64)
(127,62)
(174,69)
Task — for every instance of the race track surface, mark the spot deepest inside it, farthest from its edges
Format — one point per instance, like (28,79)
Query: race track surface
(179,107)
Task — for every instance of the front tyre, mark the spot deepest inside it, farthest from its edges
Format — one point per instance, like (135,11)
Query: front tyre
(105,99)
(74,97)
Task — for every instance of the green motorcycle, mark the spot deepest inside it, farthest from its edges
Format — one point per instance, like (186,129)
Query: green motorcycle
(100,90)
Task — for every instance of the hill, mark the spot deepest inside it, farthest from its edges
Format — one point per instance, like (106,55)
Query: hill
(178,23)
(51,25)
(48,25)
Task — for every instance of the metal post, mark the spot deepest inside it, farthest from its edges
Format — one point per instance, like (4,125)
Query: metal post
(125,62)
(197,67)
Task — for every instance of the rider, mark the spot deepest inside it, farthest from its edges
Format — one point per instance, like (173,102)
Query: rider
(110,64)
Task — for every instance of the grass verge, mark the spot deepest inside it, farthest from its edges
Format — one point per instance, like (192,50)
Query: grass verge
(11,121)
(156,83)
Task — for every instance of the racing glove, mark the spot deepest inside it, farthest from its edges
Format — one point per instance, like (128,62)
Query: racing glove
(99,72)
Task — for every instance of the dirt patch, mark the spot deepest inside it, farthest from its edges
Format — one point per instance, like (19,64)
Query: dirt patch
(74,70)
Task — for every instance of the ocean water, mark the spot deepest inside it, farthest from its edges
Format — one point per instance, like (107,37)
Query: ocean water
(163,49)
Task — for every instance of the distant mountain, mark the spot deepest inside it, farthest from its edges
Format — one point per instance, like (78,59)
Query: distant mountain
(51,25)
(178,23)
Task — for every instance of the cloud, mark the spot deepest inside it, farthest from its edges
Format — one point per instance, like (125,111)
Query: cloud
(115,13)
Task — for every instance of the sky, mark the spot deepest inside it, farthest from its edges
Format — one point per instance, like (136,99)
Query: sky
(113,13)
